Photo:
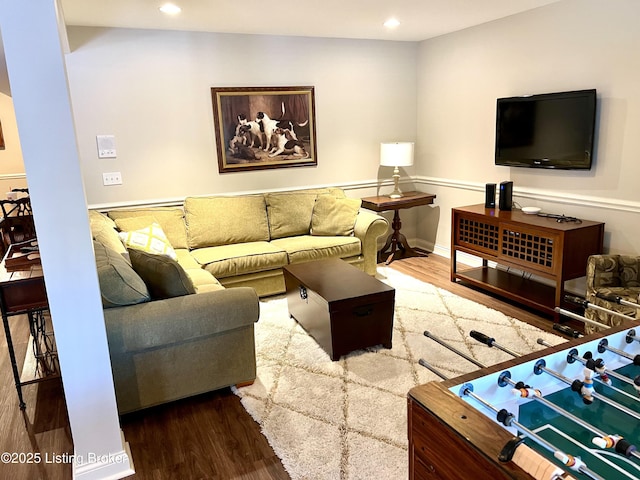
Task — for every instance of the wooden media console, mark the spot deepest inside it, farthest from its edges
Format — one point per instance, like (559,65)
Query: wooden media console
(534,245)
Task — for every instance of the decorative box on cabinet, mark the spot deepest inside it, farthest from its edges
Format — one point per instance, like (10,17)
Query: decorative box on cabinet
(541,246)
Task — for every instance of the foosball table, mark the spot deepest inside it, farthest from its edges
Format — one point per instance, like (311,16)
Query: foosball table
(569,411)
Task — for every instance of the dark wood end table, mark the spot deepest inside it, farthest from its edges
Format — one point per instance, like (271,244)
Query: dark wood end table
(23,292)
(396,242)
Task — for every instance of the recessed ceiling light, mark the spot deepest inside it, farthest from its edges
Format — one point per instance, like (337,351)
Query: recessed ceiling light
(170,9)
(392,23)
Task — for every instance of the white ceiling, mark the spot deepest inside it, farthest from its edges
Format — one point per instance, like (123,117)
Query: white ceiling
(420,19)
(363,19)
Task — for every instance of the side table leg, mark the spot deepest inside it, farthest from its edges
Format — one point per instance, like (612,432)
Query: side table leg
(14,364)
(397,241)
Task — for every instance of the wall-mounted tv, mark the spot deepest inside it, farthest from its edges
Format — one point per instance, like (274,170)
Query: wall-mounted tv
(551,130)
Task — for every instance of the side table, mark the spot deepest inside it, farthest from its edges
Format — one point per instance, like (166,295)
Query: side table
(23,292)
(397,242)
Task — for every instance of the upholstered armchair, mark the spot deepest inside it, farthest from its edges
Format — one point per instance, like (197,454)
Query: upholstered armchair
(612,275)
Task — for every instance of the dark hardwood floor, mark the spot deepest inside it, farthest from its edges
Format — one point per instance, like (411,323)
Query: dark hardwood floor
(42,429)
(205,437)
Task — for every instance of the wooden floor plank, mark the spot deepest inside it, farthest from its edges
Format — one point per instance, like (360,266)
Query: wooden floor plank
(209,436)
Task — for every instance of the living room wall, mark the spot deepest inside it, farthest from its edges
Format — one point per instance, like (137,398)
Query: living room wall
(569,45)
(151,89)
(11,164)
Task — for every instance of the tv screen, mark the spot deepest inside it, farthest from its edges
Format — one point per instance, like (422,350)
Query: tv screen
(551,130)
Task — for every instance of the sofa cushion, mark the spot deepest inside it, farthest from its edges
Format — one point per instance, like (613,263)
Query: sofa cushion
(334,216)
(240,258)
(164,277)
(103,230)
(202,280)
(213,221)
(171,219)
(129,224)
(150,239)
(120,285)
(306,248)
(290,213)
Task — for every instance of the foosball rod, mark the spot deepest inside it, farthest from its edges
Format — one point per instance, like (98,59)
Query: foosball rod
(603,346)
(617,299)
(508,419)
(567,330)
(454,350)
(573,354)
(590,305)
(532,393)
(580,318)
(490,342)
(631,336)
(576,385)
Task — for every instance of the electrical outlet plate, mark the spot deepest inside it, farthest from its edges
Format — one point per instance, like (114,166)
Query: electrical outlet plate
(112,178)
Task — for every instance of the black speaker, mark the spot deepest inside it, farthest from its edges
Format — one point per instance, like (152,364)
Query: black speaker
(506,196)
(490,195)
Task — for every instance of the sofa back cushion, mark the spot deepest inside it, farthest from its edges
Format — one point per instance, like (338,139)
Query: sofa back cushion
(334,216)
(103,230)
(289,213)
(120,285)
(171,219)
(213,221)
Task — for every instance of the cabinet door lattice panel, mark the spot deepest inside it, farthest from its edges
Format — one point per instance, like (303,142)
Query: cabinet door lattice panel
(531,248)
(478,234)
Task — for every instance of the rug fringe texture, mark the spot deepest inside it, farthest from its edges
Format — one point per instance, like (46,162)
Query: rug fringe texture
(347,420)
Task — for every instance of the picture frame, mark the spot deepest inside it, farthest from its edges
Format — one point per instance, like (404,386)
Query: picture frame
(1,138)
(259,128)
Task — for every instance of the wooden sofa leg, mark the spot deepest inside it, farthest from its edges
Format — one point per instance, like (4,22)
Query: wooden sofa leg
(244,384)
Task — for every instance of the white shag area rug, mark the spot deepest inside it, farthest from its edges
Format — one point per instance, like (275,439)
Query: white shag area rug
(347,420)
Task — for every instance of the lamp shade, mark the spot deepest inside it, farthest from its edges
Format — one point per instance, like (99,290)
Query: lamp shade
(396,154)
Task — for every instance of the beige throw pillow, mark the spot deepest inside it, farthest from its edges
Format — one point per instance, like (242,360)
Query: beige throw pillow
(150,239)
(334,216)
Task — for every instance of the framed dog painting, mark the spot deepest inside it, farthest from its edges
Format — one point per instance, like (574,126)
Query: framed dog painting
(258,128)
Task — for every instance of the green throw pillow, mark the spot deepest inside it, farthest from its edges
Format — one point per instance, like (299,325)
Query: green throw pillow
(120,285)
(164,277)
(334,216)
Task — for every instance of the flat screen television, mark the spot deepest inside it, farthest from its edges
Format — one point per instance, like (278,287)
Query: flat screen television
(551,130)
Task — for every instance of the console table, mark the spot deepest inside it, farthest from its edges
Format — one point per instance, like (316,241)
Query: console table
(397,242)
(23,292)
(542,246)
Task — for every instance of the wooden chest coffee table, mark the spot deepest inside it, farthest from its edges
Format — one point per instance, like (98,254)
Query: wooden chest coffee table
(340,306)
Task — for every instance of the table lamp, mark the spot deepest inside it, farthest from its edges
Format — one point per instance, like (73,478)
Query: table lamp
(396,154)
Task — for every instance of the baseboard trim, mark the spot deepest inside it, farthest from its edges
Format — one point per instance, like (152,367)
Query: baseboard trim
(111,466)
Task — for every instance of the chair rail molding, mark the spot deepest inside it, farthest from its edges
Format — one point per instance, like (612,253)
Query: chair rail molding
(539,194)
(417,180)
(13,176)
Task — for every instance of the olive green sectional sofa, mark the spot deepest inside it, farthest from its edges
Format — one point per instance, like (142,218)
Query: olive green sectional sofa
(174,327)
